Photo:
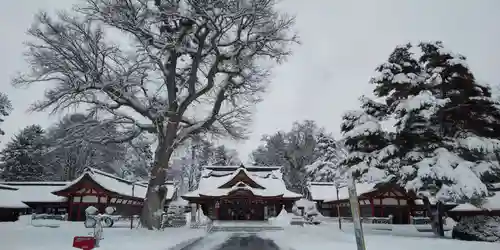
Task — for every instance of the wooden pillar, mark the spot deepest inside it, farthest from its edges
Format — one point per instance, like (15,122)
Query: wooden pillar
(70,206)
(99,207)
(78,216)
(217,208)
(401,215)
(372,206)
(381,207)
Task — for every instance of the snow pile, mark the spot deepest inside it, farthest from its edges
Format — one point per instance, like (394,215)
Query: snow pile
(309,207)
(478,228)
(283,219)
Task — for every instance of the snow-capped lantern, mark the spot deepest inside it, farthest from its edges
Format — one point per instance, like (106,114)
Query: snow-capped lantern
(110,210)
(296,210)
(91,210)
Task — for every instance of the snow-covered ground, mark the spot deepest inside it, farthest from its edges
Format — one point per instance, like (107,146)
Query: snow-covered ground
(327,237)
(22,235)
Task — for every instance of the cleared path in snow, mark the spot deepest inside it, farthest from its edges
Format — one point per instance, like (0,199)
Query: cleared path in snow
(234,242)
(248,242)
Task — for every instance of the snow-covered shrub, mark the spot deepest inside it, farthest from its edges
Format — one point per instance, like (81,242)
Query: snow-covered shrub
(91,210)
(478,228)
(110,210)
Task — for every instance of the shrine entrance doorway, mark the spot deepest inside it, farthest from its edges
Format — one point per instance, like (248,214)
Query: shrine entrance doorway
(241,208)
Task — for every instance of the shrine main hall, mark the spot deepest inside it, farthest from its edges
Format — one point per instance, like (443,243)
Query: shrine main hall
(242,193)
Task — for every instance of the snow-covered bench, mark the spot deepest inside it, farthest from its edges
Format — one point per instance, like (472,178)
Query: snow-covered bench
(47,220)
(423,224)
(423,220)
(108,220)
(49,217)
(298,221)
(367,220)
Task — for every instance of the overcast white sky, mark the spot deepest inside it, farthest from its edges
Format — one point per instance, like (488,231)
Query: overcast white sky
(342,43)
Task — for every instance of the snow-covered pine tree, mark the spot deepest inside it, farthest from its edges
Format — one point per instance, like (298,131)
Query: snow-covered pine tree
(23,156)
(5,108)
(404,85)
(445,128)
(366,141)
(327,166)
(469,123)
(401,83)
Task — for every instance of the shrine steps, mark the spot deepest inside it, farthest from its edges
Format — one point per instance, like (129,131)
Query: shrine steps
(243,226)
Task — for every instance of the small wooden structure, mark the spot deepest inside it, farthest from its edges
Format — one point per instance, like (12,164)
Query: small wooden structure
(377,201)
(242,193)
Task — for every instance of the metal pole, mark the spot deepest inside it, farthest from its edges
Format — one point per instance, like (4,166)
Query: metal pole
(132,213)
(338,208)
(354,202)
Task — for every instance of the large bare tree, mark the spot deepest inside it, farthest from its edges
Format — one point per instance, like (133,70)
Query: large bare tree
(176,69)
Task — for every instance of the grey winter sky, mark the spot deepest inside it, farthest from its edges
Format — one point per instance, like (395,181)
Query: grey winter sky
(342,43)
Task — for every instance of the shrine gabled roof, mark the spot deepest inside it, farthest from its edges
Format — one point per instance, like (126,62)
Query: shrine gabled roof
(114,184)
(241,175)
(220,181)
(327,191)
(37,191)
(10,198)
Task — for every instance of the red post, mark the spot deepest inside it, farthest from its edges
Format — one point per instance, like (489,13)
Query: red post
(70,207)
(78,216)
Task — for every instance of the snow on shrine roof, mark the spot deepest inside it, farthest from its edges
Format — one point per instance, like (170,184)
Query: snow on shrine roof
(327,192)
(117,185)
(305,203)
(9,198)
(492,202)
(31,191)
(466,207)
(249,168)
(268,177)
(6,187)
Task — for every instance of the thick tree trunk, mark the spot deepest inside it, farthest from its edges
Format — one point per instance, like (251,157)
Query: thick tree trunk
(436,216)
(152,210)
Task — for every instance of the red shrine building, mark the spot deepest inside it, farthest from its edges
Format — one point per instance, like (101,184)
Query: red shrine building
(242,193)
(93,188)
(383,201)
(100,189)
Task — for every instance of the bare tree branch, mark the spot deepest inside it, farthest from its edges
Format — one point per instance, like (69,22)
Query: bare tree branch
(177,69)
